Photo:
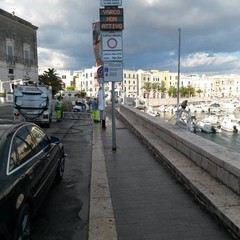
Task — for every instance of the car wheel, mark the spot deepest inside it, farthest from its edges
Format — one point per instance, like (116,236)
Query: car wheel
(23,225)
(61,167)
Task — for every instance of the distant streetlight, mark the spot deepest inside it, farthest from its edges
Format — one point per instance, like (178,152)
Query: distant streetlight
(179,47)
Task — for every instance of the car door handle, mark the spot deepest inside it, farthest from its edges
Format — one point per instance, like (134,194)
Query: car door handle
(48,155)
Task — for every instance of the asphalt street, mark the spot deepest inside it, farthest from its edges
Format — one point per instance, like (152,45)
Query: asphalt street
(65,211)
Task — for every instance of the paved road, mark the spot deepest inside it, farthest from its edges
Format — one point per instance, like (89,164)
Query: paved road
(64,213)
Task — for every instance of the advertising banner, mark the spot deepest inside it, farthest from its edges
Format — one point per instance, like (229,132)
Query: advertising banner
(97,36)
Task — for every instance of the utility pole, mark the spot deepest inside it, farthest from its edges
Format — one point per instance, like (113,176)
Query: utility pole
(111,25)
(179,52)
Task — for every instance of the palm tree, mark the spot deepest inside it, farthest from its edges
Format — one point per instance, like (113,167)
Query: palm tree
(199,91)
(172,91)
(190,90)
(162,88)
(51,78)
(147,88)
(155,87)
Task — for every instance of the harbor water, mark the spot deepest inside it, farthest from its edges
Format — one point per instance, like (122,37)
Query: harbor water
(227,139)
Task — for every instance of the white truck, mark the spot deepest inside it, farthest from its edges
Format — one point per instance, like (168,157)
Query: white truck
(33,103)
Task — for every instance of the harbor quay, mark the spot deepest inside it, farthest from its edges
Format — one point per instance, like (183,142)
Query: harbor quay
(173,101)
(210,171)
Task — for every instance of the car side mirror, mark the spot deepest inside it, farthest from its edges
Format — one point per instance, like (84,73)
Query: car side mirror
(55,140)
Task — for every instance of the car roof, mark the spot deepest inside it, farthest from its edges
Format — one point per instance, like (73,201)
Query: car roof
(7,124)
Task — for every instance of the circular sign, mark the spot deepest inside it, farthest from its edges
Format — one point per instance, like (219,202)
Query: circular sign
(112,43)
(100,72)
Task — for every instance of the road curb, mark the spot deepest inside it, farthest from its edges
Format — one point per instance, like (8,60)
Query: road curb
(102,223)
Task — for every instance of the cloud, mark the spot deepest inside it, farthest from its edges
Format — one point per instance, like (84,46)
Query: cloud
(209,33)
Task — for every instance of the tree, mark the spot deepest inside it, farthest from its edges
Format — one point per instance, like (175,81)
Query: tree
(70,88)
(147,88)
(81,94)
(172,91)
(183,91)
(155,87)
(162,88)
(199,91)
(52,79)
(190,90)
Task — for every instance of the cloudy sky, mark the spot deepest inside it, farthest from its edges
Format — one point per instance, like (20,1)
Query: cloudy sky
(210,33)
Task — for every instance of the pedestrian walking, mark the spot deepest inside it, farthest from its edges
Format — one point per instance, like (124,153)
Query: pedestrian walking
(95,110)
(58,109)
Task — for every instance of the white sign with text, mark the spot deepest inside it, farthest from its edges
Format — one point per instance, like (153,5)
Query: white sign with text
(111,41)
(111,2)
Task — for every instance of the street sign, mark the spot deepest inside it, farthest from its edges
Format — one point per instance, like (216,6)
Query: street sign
(112,56)
(111,18)
(100,72)
(113,71)
(111,2)
(111,40)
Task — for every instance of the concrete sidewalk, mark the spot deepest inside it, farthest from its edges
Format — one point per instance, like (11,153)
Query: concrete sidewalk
(135,197)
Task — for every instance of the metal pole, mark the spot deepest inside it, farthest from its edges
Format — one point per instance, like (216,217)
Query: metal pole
(103,112)
(179,52)
(113,118)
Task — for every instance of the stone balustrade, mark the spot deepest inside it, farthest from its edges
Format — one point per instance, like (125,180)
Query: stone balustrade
(220,162)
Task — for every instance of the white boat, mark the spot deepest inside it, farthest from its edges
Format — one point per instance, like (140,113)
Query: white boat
(230,123)
(162,108)
(210,124)
(199,107)
(208,127)
(151,112)
(215,108)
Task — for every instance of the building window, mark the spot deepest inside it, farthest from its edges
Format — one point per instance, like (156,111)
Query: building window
(26,54)
(10,50)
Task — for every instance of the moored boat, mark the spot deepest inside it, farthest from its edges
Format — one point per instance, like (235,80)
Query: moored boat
(230,123)
(209,124)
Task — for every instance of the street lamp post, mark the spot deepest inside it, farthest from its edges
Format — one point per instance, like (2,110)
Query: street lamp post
(178,87)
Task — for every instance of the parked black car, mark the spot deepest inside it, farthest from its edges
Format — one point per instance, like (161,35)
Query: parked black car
(30,162)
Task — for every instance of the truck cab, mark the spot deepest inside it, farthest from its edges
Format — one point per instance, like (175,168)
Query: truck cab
(32,103)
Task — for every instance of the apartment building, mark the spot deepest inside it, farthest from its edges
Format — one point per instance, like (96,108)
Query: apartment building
(134,80)
(226,85)
(18,50)
(86,80)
